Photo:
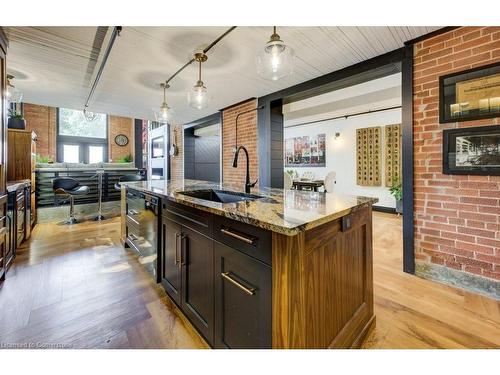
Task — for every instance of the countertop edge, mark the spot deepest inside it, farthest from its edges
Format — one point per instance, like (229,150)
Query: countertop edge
(268,226)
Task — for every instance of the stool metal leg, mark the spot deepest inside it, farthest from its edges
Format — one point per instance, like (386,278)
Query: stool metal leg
(99,216)
(72,218)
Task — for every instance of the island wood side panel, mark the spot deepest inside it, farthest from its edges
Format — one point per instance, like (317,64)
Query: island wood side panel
(323,285)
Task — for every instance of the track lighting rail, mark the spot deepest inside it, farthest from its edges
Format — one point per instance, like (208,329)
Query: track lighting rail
(114,35)
(205,50)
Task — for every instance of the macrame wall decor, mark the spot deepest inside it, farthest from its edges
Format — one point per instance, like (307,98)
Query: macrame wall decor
(392,154)
(368,156)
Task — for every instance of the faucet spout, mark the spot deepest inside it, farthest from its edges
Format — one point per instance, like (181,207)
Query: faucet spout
(248,184)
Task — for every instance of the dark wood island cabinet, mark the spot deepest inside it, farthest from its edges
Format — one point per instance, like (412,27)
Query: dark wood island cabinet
(248,279)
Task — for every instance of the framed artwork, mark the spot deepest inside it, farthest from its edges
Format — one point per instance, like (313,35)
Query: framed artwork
(470,95)
(472,151)
(306,151)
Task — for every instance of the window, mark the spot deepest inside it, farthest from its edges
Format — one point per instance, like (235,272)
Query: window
(96,154)
(71,153)
(79,140)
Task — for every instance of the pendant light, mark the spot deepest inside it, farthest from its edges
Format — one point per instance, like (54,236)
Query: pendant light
(275,60)
(12,94)
(198,97)
(164,113)
(89,116)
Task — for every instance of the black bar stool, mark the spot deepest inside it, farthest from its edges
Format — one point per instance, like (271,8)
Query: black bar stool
(129,178)
(69,187)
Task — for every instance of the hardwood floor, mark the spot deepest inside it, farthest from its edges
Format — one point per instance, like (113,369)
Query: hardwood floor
(76,287)
(416,313)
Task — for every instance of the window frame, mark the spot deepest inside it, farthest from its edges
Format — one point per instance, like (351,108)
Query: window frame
(82,142)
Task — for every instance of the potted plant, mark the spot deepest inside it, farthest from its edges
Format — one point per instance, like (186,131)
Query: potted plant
(44,159)
(125,159)
(397,191)
(16,120)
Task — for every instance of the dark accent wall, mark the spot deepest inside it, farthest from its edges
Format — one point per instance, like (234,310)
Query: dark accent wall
(277,142)
(138,143)
(201,156)
(189,153)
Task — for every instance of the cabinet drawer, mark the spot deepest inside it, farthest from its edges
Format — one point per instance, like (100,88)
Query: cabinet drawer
(242,300)
(246,238)
(189,217)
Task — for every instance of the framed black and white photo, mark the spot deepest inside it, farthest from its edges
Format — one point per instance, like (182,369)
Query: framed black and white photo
(472,151)
(470,95)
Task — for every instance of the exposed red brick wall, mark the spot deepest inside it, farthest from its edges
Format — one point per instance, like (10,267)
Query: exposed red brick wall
(457,218)
(120,125)
(177,162)
(247,136)
(42,120)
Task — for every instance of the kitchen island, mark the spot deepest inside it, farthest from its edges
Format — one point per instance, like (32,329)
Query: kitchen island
(276,269)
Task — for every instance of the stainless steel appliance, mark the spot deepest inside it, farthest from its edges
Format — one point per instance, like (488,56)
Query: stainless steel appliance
(142,229)
(27,216)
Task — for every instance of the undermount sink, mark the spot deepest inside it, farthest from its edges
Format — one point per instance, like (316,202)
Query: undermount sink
(220,196)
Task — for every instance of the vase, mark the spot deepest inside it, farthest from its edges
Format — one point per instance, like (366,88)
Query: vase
(399,206)
(16,123)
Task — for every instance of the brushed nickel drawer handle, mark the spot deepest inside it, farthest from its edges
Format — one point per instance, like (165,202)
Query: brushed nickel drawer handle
(248,240)
(177,236)
(249,291)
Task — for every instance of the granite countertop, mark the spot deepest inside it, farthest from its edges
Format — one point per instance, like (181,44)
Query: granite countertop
(14,185)
(283,211)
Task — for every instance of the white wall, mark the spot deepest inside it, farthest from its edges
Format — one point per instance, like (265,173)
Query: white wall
(341,153)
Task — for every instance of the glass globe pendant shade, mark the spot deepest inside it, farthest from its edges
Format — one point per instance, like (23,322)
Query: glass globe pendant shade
(14,95)
(275,60)
(198,97)
(89,116)
(163,114)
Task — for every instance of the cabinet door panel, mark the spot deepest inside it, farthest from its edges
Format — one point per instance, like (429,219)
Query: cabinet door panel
(197,281)
(171,267)
(242,300)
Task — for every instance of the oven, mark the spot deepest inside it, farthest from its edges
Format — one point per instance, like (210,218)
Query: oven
(157,173)
(142,223)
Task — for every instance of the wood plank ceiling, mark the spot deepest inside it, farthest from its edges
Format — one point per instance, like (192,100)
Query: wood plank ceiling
(56,65)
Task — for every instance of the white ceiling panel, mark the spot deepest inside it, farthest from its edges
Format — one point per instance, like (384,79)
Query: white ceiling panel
(56,65)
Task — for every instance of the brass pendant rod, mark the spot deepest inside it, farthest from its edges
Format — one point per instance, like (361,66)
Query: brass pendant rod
(208,48)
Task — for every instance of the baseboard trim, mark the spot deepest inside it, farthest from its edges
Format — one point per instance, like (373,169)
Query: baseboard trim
(389,210)
(460,279)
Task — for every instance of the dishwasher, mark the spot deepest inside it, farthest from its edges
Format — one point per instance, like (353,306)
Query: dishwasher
(142,223)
